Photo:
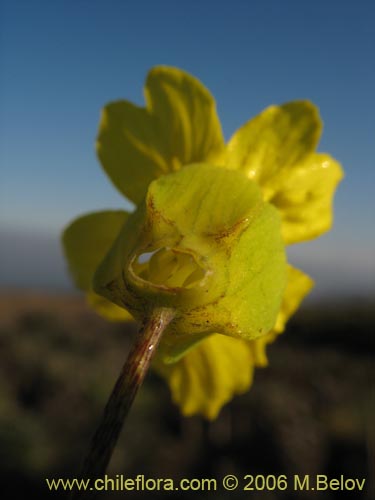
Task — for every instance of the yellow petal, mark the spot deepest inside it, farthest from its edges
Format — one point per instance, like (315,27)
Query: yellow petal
(218,367)
(130,148)
(298,286)
(86,241)
(209,375)
(186,112)
(279,137)
(107,309)
(304,196)
(179,125)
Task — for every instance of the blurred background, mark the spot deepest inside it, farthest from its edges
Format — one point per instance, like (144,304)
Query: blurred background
(312,410)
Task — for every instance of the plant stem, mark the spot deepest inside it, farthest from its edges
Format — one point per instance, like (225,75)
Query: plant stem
(123,393)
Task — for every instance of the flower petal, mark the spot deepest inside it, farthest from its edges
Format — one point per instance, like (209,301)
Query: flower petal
(86,241)
(298,286)
(130,148)
(279,137)
(304,196)
(186,113)
(218,367)
(107,309)
(209,375)
(178,126)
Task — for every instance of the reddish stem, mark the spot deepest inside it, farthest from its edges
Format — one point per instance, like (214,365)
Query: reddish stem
(123,393)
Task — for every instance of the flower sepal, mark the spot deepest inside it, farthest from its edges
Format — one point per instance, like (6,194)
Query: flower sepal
(204,243)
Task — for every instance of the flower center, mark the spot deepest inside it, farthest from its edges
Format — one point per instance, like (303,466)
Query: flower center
(169,267)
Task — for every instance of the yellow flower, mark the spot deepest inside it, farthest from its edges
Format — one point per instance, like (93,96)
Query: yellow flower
(177,127)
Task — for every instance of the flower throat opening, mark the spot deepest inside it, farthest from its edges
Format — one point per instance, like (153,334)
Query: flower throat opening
(169,267)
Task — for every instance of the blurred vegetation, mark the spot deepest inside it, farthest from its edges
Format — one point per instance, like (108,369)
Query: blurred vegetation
(310,412)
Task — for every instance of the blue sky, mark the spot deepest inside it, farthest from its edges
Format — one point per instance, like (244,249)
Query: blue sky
(61,61)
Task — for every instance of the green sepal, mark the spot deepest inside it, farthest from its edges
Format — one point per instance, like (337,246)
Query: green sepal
(215,255)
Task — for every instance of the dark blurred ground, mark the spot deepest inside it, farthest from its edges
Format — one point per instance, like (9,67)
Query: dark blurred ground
(310,412)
